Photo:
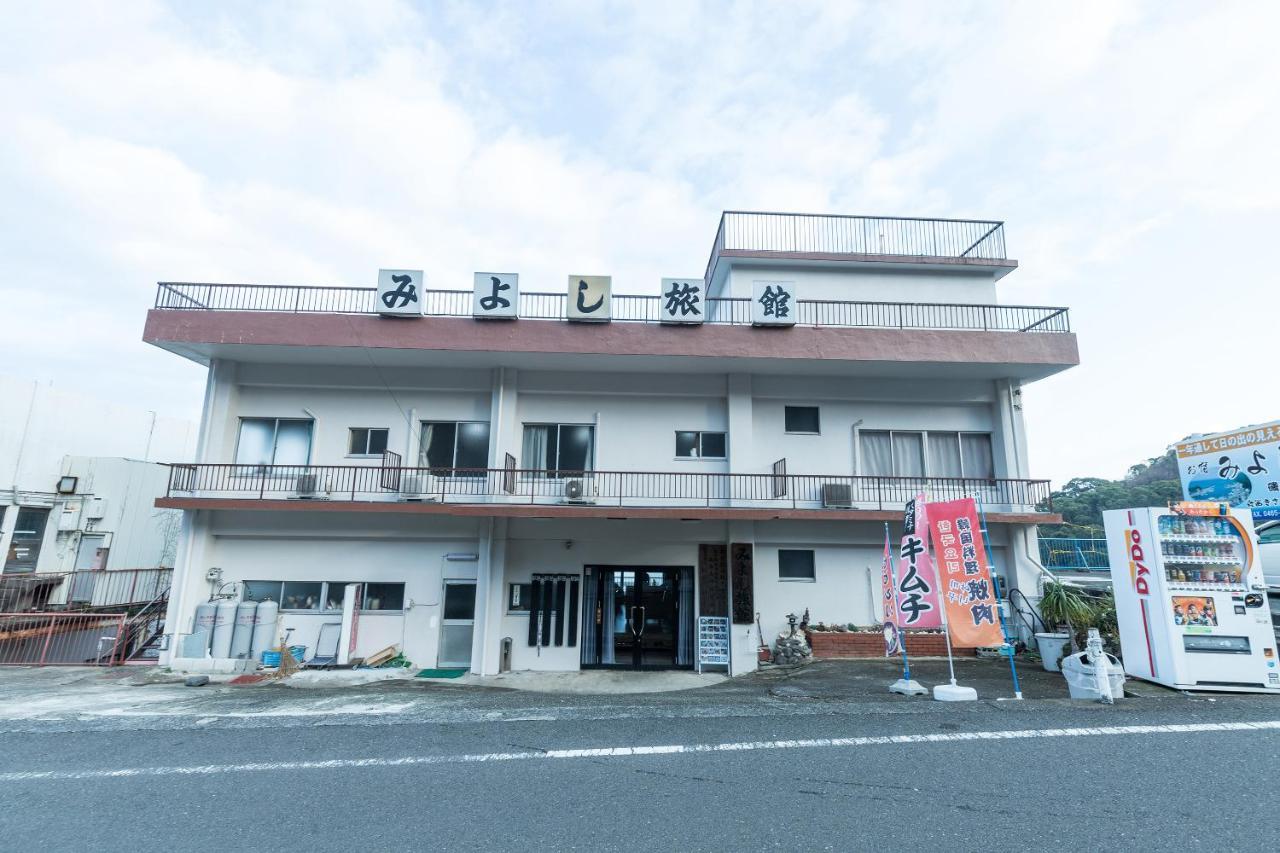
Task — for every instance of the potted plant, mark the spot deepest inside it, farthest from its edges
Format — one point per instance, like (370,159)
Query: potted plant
(1063,607)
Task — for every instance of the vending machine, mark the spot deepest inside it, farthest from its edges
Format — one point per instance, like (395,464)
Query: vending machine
(1190,598)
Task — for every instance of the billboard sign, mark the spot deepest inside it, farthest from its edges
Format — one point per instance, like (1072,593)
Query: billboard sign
(1240,468)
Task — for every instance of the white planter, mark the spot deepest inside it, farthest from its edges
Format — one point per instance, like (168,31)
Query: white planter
(1051,646)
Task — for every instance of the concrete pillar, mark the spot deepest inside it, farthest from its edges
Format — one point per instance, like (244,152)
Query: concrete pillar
(504,422)
(490,597)
(189,587)
(742,455)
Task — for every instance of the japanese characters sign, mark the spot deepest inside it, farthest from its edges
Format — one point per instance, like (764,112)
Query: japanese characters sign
(888,598)
(1240,468)
(400,293)
(590,298)
(917,582)
(682,301)
(496,296)
(773,303)
(973,617)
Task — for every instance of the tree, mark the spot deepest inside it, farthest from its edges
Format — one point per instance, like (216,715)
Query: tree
(1083,499)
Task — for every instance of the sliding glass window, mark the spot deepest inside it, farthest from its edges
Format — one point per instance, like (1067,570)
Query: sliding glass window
(455,448)
(273,441)
(559,450)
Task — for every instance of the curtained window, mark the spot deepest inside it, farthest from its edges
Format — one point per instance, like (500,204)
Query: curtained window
(975,449)
(455,448)
(273,441)
(559,450)
(944,454)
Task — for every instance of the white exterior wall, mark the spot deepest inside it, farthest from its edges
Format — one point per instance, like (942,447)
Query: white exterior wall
(337,547)
(865,285)
(636,416)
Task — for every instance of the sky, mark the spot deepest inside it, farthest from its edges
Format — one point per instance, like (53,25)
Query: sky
(1129,147)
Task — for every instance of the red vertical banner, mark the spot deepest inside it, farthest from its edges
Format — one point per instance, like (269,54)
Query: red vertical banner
(917,582)
(889,598)
(965,570)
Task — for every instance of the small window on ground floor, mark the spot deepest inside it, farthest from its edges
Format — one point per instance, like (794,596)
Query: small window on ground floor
(326,596)
(795,565)
(518,597)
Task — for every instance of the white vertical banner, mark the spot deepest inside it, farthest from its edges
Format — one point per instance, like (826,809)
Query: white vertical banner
(590,298)
(400,293)
(496,296)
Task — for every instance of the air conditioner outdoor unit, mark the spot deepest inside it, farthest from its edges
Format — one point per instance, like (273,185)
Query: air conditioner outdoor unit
(575,492)
(307,488)
(416,488)
(837,495)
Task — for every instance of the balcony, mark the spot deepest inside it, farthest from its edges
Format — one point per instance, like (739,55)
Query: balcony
(869,239)
(511,491)
(188,296)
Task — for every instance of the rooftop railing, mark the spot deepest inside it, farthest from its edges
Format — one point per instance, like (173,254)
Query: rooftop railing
(600,488)
(832,234)
(626,308)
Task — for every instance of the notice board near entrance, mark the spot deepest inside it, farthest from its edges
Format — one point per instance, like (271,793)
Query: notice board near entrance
(713,641)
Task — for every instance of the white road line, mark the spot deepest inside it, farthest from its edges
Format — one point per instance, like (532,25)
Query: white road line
(632,751)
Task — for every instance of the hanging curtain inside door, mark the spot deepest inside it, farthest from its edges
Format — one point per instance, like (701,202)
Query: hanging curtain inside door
(684,650)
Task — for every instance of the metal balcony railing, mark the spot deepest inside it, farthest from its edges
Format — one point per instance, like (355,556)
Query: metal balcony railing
(603,488)
(1074,555)
(831,234)
(626,308)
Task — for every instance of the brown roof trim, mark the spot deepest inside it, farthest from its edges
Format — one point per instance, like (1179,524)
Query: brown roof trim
(565,511)
(463,334)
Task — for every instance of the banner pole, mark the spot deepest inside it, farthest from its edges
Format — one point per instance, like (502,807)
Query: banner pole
(905,685)
(995,583)
(952,692)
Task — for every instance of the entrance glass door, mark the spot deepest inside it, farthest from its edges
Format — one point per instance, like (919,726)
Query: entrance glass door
(457,627)
(643,629)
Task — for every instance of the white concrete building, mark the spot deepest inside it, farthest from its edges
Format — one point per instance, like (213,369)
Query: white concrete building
(69,499)
(618,479)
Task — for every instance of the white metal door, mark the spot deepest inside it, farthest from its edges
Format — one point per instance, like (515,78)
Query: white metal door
(88,559)
(457,624)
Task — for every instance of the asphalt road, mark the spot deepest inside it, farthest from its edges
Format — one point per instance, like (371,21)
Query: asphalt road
(577,773)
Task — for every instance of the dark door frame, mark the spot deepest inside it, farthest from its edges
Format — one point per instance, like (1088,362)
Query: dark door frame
(598,576)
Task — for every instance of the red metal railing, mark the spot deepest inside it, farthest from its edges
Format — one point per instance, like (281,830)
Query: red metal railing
(82,590)
(61,639)
(616,488)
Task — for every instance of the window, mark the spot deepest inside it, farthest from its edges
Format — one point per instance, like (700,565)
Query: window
(300,595)
(559,449)
(262,590)
(367,441)
(519,596)
(976,457)
(273,441)
(28,536)
(888,453)
(325,596)
(700,445)
(455,449)
(795,565)
(802,419)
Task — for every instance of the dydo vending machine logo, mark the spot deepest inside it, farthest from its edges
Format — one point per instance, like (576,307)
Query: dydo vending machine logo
(1138,571)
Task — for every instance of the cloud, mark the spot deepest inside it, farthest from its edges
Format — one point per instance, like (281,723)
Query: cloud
(251,142)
